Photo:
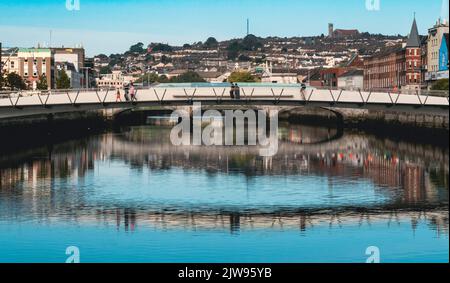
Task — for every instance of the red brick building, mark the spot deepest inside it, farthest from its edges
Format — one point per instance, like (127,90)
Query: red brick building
(329,77)
(396,68)
(35,63)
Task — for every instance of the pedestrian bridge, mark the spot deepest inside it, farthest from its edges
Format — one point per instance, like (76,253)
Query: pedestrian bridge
(22,104)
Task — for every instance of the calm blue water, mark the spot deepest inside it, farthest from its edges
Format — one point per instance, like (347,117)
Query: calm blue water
(132,197)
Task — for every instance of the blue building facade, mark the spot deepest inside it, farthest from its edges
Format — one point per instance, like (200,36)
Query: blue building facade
(443,54)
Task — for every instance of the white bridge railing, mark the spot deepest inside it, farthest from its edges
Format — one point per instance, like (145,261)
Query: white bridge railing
(264,94)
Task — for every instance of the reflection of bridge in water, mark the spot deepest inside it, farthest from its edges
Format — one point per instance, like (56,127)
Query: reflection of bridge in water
(130,219)
(242,222)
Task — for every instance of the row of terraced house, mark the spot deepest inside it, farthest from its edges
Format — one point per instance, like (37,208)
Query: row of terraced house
(415,65)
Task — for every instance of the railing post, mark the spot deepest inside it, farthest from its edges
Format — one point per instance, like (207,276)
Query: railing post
(418,97)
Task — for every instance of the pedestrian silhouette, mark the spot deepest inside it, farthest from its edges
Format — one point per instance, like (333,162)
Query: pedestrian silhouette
(237,92)
(232,91)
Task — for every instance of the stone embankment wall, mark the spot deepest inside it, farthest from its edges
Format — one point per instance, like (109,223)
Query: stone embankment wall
(359,118)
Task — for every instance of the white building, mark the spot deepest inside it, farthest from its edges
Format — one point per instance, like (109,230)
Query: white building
(278,78)
(114,80)
(351,80)
(435,35)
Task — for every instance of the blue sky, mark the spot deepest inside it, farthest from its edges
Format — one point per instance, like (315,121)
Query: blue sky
(109,26)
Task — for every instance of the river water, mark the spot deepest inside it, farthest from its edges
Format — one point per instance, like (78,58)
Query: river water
(129,195)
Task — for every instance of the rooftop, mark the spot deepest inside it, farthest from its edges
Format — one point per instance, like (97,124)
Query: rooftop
(413,38)
(352,73)
(35,50)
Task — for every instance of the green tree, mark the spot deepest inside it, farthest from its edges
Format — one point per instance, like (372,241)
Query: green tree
(62,81)
(233,50)
(251,43)
(105,70)
(42,83)
(161,47)
(102,56)
(14,81)
(440,85)
(241,77)
(188,77)
(211,43)
(137,48)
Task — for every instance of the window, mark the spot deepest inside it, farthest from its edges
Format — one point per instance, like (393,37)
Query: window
(12,64)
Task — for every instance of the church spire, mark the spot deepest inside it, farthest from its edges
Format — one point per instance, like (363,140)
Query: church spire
(414,38)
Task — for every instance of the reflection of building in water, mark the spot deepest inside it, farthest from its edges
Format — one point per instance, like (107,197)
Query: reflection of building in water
(69,162)
(307,134)
(384,169)
(413,183)
(398,168)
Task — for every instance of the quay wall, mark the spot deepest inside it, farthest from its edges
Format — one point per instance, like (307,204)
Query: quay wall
(355,118)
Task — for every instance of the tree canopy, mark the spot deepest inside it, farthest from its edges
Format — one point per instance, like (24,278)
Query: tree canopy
(211,43)
(42,83)
(233,50)
(138,48)
(188,77)
(105,70)
(62,81)
(241,77)
(161,47)
(249,43)
(14,81)
(440,85)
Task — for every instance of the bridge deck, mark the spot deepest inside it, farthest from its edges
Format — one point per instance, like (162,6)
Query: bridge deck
(17,104)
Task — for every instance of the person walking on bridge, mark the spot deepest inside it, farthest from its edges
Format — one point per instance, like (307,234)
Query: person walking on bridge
(118,98)
(237,92)
(133,93)
(232,91)
(127,92)
(303,91)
